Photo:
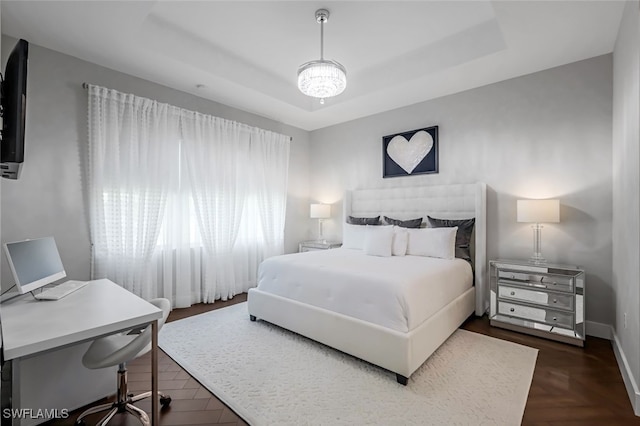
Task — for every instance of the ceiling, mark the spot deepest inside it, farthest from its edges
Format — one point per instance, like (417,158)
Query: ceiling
(246,54)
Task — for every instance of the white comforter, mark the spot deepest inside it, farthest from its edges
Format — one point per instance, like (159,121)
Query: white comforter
(398,292)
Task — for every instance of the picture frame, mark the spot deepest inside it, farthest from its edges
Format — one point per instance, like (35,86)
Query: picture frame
(410,153)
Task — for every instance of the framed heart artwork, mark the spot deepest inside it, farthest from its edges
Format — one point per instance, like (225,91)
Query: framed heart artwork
(410,153)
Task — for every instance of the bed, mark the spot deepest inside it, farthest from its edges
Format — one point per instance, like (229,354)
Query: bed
(379,309)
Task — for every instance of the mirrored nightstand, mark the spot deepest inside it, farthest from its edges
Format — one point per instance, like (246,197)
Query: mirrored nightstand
(545,300)
(318,245)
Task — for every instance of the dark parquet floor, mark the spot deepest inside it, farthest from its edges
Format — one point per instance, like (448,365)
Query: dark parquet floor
(571,385)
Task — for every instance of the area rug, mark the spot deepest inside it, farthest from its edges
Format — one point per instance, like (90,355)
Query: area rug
(270,376)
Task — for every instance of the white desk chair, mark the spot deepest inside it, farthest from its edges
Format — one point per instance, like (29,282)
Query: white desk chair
(118,350)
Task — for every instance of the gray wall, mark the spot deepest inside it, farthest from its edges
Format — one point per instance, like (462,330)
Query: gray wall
(626,192)
(49,199)
(544,135)
(547,134)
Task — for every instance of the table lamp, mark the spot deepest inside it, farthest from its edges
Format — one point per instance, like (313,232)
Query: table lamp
(320,212)
(537,212)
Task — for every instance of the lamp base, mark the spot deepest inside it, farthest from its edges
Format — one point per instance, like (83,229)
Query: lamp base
(320,239)
(537,259)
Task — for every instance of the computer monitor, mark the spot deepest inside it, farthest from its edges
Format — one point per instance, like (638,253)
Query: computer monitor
(34,263)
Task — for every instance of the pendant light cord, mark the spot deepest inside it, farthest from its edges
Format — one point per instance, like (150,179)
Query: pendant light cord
(322,39)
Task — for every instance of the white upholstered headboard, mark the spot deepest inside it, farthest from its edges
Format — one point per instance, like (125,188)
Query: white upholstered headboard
(457,201)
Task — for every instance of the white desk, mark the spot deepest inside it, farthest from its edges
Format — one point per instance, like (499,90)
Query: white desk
(31,327)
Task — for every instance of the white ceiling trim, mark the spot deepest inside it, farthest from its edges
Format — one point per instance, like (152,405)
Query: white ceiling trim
(245,54)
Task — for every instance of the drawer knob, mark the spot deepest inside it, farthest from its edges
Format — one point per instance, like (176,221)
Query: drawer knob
(513,277)
(555,300)
(512,309)
(555,319)
(513,293)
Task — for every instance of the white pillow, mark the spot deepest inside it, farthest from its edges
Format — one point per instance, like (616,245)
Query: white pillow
(377,240)
(353,236)
(433,242)
(400,241)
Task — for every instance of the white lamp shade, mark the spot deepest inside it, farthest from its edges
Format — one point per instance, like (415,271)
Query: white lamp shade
(538,211)
(320,211)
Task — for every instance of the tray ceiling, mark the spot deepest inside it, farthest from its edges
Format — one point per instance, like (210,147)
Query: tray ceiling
(246,54)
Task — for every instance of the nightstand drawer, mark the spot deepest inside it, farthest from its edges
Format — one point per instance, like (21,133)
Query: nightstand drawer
(546,316)
(552,282)
(554,300)
(318,245)
(306,248)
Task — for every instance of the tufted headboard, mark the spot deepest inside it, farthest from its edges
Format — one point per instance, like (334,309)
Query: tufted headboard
(456,201)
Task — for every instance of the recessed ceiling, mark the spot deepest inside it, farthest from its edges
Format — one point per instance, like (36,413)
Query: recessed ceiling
(246,54)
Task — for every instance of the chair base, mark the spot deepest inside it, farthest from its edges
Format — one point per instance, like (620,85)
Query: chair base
(124,403)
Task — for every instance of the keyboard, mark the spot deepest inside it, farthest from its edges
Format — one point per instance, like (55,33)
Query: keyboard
(61,290)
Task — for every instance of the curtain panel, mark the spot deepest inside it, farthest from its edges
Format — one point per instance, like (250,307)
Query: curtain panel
(131,147)
(183,205)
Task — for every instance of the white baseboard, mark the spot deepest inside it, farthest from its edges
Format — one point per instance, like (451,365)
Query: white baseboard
(598,329)
(605,331)
(627,376)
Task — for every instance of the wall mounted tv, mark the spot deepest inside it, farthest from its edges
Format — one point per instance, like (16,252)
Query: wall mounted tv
(13,93)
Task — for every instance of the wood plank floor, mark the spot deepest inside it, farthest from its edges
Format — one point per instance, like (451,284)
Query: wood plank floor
(571,385)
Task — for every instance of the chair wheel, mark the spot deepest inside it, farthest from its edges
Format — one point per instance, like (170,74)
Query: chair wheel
(165,400)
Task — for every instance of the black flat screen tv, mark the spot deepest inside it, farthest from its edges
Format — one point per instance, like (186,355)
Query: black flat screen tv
(14,108)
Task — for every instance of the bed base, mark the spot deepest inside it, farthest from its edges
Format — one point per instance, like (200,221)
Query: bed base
(401,353)
(403,380)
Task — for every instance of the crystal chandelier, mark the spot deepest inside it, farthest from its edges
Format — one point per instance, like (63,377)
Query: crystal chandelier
(322,78)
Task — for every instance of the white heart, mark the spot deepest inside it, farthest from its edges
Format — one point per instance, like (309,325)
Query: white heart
(409,153)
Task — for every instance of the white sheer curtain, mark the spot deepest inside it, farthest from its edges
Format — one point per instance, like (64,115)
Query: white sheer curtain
(183,205)
(177,259)
(270,164)
(132,154)
(217,154)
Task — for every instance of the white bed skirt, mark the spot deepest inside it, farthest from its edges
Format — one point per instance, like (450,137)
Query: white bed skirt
(401,353)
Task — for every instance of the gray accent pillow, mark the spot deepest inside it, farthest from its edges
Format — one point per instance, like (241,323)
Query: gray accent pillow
(363,220)
(411,223)
(463,237)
